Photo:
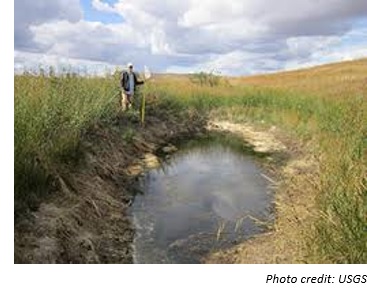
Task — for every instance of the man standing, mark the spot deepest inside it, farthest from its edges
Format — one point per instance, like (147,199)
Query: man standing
(128,83)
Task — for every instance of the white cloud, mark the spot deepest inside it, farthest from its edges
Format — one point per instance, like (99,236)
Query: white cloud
(304,46)
(103,6)
(233,36)
(93,35)
(321,50)
(35,12)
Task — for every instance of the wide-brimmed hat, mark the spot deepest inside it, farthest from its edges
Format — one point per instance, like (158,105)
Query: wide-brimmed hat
(129,65)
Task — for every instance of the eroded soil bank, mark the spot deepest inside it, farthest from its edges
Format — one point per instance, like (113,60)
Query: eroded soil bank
(82,219)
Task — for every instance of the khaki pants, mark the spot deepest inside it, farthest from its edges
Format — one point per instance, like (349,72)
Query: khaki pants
(126,100)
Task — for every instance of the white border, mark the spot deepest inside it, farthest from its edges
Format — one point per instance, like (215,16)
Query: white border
(139,282)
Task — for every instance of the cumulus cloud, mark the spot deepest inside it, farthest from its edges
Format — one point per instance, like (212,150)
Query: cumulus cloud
(91,39)
(226,25)
(36,12)
(231,35)
(303,47)
(114,43)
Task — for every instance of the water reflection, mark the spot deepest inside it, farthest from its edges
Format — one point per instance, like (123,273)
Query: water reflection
(197,203)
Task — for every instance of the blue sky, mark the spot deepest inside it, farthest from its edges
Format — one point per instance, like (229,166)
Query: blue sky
(92,14)
(231,37)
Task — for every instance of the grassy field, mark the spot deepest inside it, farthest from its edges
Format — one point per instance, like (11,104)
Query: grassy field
(324,107)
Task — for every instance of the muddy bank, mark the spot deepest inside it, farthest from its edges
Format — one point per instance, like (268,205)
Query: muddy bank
(83,220)
(294,173)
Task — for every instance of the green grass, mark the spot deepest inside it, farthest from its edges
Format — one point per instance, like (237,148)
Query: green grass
(50,115)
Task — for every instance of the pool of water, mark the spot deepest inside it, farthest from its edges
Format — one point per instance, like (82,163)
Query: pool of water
(208,196)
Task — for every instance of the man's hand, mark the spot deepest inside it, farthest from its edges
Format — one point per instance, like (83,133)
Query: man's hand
(147,73)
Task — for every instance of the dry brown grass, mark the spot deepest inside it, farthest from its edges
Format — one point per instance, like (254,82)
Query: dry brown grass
(338,80)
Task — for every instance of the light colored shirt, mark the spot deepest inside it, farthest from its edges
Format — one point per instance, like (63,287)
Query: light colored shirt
(131,84)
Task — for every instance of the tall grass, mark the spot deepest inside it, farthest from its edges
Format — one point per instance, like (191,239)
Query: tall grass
(50,115)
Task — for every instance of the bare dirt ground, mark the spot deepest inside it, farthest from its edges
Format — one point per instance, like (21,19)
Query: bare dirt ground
(293,201)
(263,141)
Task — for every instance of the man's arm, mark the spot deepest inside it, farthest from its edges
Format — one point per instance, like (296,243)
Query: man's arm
(138,82)
(123,80)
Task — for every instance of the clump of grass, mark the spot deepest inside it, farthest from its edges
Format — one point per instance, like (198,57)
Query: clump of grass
(128,135)
(342,196)
(206,79)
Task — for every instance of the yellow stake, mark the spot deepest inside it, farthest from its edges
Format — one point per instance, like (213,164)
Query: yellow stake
(142,118)
(147,75)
